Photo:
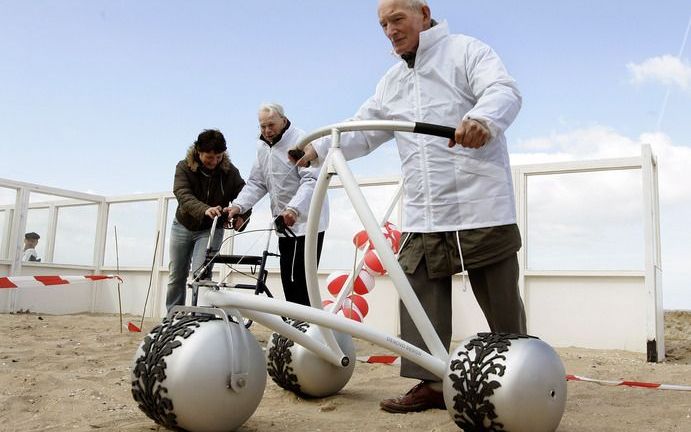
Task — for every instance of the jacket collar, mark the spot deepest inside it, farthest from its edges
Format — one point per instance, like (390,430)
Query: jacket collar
(278,137)
(428,38)
(192,161)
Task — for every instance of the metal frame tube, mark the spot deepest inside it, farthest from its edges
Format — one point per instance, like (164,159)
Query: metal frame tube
(335,163)
(318,196)
(358,125)
(405,291)
(279,326)
(358,266)
(257,308)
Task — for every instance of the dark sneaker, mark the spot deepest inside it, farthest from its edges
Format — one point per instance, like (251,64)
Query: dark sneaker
(419,398)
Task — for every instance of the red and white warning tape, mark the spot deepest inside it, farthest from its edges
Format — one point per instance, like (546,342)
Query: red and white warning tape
(42,281)
(394,360)
(639,384)
(382,359)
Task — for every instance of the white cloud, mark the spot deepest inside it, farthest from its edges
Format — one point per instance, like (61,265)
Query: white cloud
(667,69)
(600,142)
(674,162)
(594,142)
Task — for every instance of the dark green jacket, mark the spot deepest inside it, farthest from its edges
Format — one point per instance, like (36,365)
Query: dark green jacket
(197,189)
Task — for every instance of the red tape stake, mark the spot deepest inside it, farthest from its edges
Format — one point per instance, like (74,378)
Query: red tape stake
(638,384)
(133,327)
(49,280)
(101,277)
(5,282)
(381,359)
(394,360)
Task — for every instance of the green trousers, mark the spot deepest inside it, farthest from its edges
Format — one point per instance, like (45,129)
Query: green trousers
(496,289)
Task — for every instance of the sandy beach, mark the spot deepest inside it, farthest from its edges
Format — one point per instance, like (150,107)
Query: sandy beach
(72,372)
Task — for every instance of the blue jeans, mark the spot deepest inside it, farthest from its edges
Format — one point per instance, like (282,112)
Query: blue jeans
(186,246)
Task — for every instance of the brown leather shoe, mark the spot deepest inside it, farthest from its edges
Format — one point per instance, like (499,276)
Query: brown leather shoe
(419,398)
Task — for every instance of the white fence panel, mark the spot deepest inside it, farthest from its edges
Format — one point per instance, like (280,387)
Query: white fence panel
(605,309)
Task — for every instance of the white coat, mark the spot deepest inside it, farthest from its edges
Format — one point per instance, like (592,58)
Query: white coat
(30,255)
(445,189)
(287,185)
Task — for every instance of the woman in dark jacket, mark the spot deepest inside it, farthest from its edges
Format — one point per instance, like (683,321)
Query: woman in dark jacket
(205,182)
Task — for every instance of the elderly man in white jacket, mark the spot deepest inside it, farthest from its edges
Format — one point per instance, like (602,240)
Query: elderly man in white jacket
(459,211)
(290,190)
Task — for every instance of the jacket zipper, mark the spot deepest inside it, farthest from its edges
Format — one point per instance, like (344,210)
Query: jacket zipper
(423,151)
(208,190)
(269,179)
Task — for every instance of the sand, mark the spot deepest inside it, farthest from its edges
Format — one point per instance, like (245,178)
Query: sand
(72,372)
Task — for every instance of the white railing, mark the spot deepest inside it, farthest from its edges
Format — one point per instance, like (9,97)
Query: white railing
(613,309)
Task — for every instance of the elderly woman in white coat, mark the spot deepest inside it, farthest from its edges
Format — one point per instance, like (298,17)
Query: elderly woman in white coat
(290,190)
(459,210)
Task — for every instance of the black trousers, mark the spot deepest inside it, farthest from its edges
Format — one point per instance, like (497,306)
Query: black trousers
(292,261)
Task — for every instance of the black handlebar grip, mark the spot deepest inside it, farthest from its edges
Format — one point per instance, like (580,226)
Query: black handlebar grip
(296,155)
(436,130)
(282,228)
(280,223)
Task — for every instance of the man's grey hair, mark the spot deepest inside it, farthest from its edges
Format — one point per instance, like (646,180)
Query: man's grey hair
(272,108)
(415,4)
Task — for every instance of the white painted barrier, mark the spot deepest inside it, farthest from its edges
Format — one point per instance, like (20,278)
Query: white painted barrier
(591,309)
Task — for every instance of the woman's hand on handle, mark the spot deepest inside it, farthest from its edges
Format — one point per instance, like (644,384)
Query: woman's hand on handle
(213,212)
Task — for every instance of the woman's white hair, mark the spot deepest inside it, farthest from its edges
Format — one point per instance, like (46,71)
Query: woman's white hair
(272,108)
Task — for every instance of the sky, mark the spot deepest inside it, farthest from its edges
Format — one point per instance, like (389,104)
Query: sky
(105,96)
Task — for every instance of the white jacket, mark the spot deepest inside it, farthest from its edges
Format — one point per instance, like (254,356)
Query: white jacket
(29,253)
(445,189)
(286,184)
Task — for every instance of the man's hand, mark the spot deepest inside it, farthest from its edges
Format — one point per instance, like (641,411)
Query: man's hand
(471,134)
(289,217)
(235,221)
(213,212)
(308,157)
